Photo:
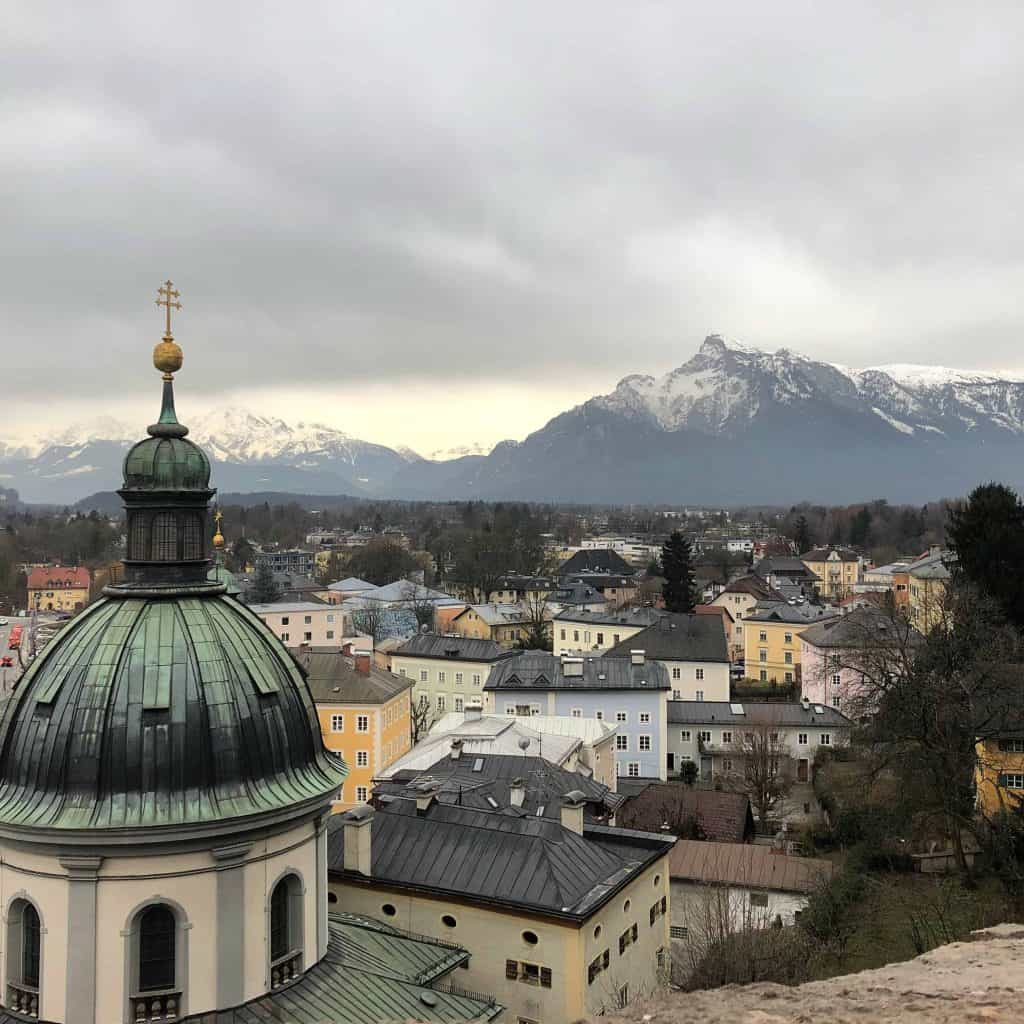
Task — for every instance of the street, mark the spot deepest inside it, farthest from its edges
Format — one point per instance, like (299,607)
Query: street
(9,676)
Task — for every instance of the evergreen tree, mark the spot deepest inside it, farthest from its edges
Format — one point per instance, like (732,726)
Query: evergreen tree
(264,588)
(679,589)
(987,535)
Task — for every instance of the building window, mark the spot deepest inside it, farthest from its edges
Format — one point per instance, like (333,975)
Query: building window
(562,632)
(361,794)
(24,937)
(802,739)
(423,675)
(645,742)
(615,638)
(788,637)
(788,677)
(836,700)
(633,769)
(441,676)
(576,635)
(726,764)
(677,672)
(424,700)
(645,718)
(762,655)
(698,695)
(440,702)
(684,735)
(621,742)
(759,899)
(599,715)
(826,739)
(1011,780)
(330,634)
(362,723)
(677,931)
(337,723)
(165,538)
(788,657)
(600,639)
(676,694)
(476,679)
(459,704)
(362,758)
(836,680)
(763,636)
(286,637)
(285,931)
(621,716)
(285,620)
(698,674)
(307,637)
(704,736)
(576,712)
(137,547)
(763,676)
(307,620)
(726,736)
(157,928)
(192,538)
(458,678)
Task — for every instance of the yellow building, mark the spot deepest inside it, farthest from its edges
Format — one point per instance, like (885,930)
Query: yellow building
(364,716)
(926,590)
(54,588)
(551,946)
(999,774)
(771,642)
(505,624)
(839,569)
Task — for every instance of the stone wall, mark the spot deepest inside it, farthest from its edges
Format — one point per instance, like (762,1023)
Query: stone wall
(980,981)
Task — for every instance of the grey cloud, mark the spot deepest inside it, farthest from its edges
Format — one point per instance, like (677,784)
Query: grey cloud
(513,190)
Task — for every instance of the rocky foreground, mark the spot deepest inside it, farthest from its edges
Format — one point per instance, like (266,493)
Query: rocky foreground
(974,982)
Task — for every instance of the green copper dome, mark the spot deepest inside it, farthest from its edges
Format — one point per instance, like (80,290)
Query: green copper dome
(147,712)
(166,464)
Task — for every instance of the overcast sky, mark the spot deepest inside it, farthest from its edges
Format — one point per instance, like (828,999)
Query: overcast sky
(438,223)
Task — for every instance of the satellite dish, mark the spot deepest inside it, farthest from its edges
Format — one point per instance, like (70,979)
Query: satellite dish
(524,743)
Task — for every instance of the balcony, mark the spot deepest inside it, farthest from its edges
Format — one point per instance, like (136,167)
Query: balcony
(23,999)
(156,1006)
(285,970)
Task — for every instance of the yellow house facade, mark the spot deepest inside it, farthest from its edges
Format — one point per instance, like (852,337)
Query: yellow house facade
(926,590)
(999,774)
(838,569)
(545,964)
(364,716)
(581,630)
(505,624)
(56,588)
(771,637)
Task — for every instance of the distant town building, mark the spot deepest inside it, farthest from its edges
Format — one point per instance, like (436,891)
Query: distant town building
(838,570)
(771,639)
(581,630)
(596,560)
(57,588)
(295,561)
(303,622)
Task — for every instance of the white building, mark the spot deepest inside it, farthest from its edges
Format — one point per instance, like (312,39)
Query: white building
(305,622)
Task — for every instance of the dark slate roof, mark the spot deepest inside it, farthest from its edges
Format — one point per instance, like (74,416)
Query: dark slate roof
(521,862)
(822,555)
(370,973)
(722,817)
(799,614)
(705,712)
(613,616)
(161,711)
(596,560)
(431,645)
(333,678)
(783,565)
(860,628)
(599,580)
(577,593)
(678,637)
(537,670)
(485,782)
(753,585)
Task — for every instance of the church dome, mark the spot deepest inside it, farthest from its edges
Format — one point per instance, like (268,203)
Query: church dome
(166,463)
(166,711)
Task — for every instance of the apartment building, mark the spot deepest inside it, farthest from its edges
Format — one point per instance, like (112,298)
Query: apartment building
(577,630)
(713,734)
(446,671)
(303,622)
(55,588)
(691,648)
(364,716)
(551,945)
(294,561)
(771,639)
(926,586)
(838,570)
(740,598)
(629,693)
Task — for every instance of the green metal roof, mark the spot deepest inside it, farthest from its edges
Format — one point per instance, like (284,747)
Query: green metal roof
(155,711)
(166,464)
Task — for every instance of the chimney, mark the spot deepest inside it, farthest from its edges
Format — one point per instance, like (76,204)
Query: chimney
(637,657)
(517,793)
(572,811)
(346,649)
(805,703)
(357,839)
(456,749)
(474,710)
(426,794)
(363,662)
(572,667)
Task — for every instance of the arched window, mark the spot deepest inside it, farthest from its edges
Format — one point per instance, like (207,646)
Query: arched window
(165,538)
(192,539)
(285,931)
(24,950)
(137,540)
(157,928)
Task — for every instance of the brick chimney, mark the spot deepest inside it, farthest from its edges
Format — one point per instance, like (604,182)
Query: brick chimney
(362,660)
(357,846)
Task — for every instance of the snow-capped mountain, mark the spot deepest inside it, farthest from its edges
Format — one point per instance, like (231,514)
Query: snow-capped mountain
(731,425)
(725,387)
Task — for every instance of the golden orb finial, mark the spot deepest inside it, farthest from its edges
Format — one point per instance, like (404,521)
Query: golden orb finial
(218,537)
(167,355)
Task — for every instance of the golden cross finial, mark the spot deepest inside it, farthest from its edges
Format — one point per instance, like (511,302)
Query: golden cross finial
(217,517)
(167,296)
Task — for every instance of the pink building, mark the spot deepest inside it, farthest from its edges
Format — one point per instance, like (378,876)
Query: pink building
(831,653)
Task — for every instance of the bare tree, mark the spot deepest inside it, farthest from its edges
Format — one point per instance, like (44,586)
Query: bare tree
(421,717)
(763,768)
(537,622)
(369,619)
(418,600)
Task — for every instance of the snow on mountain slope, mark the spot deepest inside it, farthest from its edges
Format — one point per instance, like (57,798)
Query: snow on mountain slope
(725,387)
